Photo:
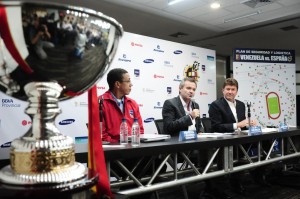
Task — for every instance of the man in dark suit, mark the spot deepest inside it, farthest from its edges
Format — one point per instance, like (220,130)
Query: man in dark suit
(181,113)
(228,114)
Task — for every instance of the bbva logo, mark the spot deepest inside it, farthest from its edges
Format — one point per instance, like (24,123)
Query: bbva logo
(147,61)
(7,101)
(177,51)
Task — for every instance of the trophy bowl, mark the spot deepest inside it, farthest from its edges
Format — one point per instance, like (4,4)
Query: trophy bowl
(49,53)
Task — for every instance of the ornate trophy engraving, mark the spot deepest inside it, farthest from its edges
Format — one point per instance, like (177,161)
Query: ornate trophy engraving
(50,53)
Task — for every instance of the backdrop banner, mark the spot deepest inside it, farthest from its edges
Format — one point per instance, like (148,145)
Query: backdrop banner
(267,80)
(156,68)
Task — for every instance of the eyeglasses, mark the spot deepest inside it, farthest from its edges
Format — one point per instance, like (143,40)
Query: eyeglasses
(127,81)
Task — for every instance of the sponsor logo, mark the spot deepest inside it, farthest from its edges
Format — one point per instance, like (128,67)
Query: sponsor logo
(131,113)
(168,64)
(157,49)
(136,44)
(192,70)
(148,61)
(9,103)
(148,120)
(158,76)
(203,93)
(177,52)
(66,122)
(177,79)
(210,58)
(81,104)
(136,72)
(140,105)
(158,106)
(210,81)
(124,58)
(6,145)
(101,87)
(148,90)
(169,90)
(25,122)
(194,55)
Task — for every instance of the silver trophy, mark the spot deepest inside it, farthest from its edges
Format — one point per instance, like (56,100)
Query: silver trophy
(50,53)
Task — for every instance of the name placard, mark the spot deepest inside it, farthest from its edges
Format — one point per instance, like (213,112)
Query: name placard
(187,135)
(283,127)
(255,130)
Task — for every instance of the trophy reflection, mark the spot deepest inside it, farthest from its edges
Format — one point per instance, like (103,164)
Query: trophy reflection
(50,53)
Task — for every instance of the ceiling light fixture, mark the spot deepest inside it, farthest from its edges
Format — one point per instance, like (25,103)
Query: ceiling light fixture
(171,2)
(215,5)
(242,16)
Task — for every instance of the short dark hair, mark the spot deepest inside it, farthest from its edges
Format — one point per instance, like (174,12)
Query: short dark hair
(231,82)
(115,75)
(187,79)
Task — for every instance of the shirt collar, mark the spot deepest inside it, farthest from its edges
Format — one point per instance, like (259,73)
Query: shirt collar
(116,99)
(229,102)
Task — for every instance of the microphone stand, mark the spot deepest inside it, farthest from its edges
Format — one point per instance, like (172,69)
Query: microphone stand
(101,120)
(249,114)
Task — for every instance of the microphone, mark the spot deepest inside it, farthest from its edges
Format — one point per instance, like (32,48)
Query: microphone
(193,106)
(249,113)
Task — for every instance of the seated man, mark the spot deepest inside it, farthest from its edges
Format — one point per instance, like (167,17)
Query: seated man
(116,105)
(228,114)
(181,113)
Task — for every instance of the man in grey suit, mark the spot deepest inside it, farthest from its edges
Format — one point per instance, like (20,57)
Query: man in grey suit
(181,113)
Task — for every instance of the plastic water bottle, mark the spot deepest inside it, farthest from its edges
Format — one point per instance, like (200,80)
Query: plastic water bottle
(124,132)
(135,133)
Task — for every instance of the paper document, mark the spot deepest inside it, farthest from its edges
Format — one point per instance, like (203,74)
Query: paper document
(213,135)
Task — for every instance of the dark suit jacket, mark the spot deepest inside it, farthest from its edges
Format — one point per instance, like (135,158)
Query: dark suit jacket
(175,119)
(221,115)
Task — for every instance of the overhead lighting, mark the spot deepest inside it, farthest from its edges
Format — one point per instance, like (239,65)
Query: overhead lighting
(171,2)
(242,16)
(215,5)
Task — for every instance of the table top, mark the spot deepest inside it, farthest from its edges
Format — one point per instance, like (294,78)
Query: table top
(173,145)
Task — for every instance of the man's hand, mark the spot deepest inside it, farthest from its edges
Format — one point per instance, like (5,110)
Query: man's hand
(195,113)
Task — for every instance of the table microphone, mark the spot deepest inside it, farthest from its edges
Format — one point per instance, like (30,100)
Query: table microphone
(249,113)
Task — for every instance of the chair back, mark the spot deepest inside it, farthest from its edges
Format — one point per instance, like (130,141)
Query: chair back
(159,126)
(206,122)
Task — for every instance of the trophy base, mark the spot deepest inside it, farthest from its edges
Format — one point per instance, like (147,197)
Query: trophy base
(69,174)
(67,190)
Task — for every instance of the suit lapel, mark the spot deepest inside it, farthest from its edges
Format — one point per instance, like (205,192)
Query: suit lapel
(180,106)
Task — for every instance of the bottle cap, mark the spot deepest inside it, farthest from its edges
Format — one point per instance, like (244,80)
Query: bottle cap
(123,119)
(135,119)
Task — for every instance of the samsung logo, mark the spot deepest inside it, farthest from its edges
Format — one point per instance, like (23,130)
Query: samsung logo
(66,122)
(147,61)
(177,52)
(6,145)
(150,119)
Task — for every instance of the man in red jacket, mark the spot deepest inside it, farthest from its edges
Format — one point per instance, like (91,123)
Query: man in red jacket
(116,105)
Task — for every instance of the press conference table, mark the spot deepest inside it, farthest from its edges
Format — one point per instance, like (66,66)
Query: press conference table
(233,149)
